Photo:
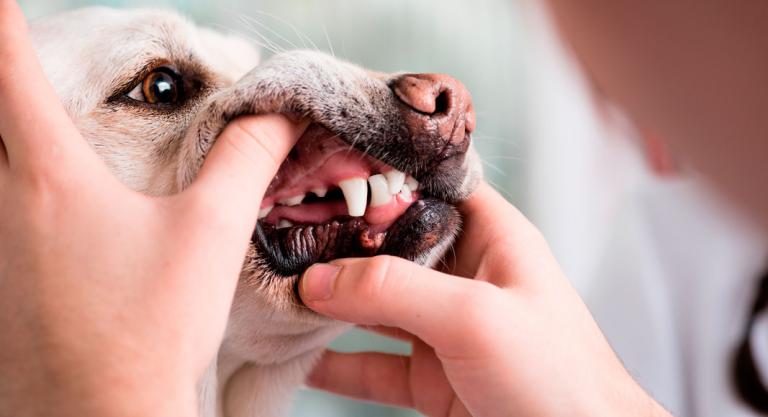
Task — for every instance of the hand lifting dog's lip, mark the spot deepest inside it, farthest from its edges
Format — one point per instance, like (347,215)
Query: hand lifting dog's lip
(379,170)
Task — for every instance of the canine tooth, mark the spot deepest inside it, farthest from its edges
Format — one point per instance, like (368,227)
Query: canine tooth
(292,201)
(355,192)
(405,193)
(319,191)
(379,190)
(412,183)
(395,179)
(265,212)
(282,224)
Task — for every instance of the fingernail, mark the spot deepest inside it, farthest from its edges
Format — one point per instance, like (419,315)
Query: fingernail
(317,282)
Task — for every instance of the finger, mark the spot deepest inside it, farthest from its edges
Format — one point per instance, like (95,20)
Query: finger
(392,332)
(36,129)
(393,292)
(3,154)
(368,376)
(243,161)
(488,245)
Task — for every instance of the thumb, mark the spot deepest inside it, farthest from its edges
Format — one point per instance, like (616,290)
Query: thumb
(438,308)
(244,159)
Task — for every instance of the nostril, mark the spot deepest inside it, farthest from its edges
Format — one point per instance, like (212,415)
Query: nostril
(437,111)
(442,102)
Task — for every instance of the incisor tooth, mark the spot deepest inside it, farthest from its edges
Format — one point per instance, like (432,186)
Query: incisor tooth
(405,193)
(264,212)
(356,195)
(282,224)
(412,183)
(319,191)
(292,201)
(379,190)
(395,180)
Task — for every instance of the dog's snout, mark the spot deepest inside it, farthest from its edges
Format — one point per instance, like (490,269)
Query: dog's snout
(438,113)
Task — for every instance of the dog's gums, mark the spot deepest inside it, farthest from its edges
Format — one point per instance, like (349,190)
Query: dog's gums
(318,207)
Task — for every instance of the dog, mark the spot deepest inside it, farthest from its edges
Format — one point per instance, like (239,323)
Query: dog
(150,92)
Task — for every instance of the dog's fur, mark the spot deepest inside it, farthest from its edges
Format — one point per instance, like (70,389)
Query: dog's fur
(95,56)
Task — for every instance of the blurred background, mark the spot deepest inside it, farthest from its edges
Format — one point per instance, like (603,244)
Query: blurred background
(568,160)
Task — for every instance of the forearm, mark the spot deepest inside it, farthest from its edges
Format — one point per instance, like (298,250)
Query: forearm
(79,392)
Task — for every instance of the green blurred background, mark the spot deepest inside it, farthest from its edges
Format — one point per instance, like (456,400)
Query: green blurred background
(479,42)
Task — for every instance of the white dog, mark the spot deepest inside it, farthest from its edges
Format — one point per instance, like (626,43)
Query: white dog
(378,171)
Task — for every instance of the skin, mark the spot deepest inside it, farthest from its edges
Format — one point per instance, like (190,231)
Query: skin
(96,320)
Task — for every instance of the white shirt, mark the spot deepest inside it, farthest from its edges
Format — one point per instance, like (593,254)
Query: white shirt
(672,294)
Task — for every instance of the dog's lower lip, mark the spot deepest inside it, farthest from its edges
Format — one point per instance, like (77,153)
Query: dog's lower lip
(289,251)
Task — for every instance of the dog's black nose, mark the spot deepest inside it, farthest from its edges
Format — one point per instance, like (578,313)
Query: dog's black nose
(438,112)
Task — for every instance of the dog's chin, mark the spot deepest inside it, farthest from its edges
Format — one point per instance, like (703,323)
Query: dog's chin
(295,232)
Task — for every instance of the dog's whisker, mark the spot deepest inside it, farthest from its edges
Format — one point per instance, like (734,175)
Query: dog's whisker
(485,138)
(265,42)
(500,189)
(504,157)
(249,22)
(328,39)
(261,44)
(494,168)
(247,27)
(301,35)
(272,31)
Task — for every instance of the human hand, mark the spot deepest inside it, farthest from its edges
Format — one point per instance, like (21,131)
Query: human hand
(515,339)
(113,302)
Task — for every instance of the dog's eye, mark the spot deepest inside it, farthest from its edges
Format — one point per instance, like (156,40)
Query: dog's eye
(161,86)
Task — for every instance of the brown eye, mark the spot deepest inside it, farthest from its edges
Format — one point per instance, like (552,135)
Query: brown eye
(161,86)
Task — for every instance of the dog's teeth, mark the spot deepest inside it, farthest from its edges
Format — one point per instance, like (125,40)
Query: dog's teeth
(282,224)
(264,212)
(355,192)
(412,183)
(319,191)
(292,201)
(405,193)
(395,180)
(379,190)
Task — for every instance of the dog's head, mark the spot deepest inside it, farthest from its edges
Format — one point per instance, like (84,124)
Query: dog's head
(377,172)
